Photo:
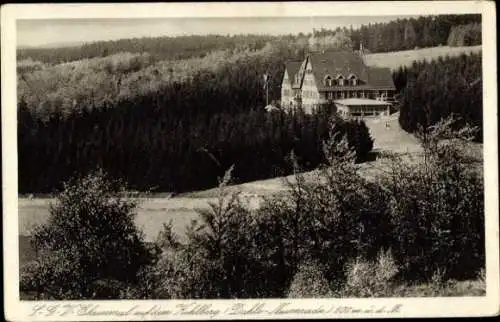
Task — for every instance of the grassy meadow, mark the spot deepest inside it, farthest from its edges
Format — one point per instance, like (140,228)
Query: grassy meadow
(394,60)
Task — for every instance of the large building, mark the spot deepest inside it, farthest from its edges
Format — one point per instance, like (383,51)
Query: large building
(332,76)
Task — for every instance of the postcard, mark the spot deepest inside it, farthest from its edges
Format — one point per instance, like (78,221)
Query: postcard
(267,160)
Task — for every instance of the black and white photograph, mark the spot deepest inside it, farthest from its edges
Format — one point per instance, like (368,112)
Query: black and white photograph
(242,160)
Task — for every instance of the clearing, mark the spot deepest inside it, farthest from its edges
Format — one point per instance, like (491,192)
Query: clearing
(394,60)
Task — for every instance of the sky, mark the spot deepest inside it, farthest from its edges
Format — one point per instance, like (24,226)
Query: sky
(42,32)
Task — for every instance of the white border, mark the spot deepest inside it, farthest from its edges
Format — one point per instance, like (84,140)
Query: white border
(411,307)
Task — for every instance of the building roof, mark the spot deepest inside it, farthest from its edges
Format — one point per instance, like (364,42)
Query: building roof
(292,67)
(360,101)
(335,63)
(299,77)
(380,77)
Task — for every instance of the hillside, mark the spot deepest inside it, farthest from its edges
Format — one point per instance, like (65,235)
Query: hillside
(166,121)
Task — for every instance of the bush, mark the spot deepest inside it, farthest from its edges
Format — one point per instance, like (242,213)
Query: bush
(310,282)
(330,217)
(371,278)
(218,260)
(90,246)
(437,208)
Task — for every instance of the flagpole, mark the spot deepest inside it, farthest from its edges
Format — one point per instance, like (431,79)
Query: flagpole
(266,84)
(267,95)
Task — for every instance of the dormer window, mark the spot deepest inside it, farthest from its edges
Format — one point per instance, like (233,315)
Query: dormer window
(340,80)
(328,80)
(353,80)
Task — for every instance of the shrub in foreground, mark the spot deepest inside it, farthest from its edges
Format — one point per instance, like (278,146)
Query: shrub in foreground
(90,247)
(219,257)
(309,282)
(371,278)
(437,208)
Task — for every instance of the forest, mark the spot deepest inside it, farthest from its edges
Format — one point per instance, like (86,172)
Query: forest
(437,89)
(154,148)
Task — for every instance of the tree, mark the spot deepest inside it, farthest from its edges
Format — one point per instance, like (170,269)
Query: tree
(339,41)
(426,36)
(90,247)
(410,36)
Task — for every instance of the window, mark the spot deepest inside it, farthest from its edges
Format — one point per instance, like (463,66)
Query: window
(328,80)
(340,80)
(353,80)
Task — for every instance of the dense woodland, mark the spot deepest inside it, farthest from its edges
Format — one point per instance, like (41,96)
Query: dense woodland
(160,117)
(435,90)
(153,148)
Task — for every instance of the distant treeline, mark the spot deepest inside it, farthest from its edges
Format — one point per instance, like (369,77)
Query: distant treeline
(400,34)
(406,34)
(437,89)
(162,48)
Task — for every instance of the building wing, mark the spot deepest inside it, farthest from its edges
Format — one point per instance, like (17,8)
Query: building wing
(381,78)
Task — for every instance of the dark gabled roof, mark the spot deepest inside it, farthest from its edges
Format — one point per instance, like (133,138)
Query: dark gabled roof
(336,63)
(292,67)
(380,77)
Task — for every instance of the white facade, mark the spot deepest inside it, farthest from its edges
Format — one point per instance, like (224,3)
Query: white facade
(310,94)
